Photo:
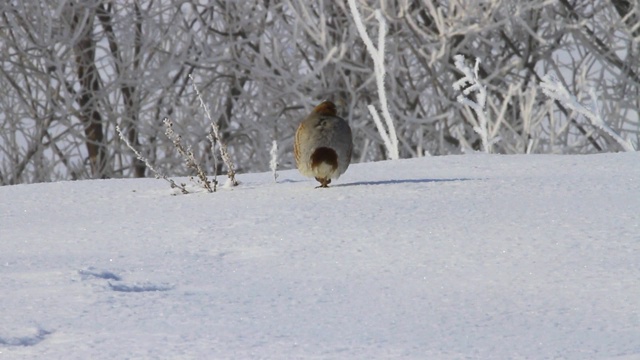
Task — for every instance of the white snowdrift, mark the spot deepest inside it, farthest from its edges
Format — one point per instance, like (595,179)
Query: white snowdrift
(478,256)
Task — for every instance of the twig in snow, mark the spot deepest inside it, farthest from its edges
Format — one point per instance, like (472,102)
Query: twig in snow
(157,174)
(190,159)
(231,174)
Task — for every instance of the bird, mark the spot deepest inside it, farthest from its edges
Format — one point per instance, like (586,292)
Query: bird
(323,144)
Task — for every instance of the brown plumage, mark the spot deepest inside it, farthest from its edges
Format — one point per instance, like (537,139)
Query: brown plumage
(323,144)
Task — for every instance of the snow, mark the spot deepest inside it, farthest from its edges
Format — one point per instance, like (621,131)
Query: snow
(455,257)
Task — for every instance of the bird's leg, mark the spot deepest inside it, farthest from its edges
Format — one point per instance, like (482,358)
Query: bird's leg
(324,183)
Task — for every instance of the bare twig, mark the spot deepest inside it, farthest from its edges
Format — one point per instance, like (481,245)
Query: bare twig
(471,78)
(187,154)
(231,181)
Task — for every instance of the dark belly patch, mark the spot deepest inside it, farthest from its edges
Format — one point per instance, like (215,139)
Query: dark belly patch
(324,155)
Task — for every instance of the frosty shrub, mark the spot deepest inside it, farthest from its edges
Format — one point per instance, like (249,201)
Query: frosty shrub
(73,70)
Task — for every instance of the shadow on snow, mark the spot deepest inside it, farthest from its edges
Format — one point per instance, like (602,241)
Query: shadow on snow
(401,181)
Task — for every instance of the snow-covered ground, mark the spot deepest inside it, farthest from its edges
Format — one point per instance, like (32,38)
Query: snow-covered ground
(457,257)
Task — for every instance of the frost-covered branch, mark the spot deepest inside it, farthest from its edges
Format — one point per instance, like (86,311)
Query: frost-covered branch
(157,174)
(555,90)
(389,136)
(471,78)
(215,129)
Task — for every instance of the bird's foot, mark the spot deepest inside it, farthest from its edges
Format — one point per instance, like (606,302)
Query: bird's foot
(324,183)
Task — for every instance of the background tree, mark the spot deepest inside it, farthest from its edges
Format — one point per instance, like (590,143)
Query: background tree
(72,70)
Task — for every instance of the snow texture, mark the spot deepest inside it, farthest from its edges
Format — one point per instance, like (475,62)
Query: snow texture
(456,257)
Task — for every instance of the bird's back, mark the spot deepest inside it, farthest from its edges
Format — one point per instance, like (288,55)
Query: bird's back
(323,143)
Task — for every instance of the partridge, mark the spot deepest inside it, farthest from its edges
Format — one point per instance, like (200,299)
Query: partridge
(323,144)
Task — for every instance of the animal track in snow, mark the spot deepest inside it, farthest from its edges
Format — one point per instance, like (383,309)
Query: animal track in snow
(135,288)
(26,340)
(116,282)
(106,275)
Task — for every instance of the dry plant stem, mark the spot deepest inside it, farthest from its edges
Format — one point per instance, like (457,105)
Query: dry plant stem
(187,154)
(471,78)
(215,159)
(146,162)
(216,133)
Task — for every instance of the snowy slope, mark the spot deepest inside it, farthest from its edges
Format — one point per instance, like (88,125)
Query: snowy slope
(458,257)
